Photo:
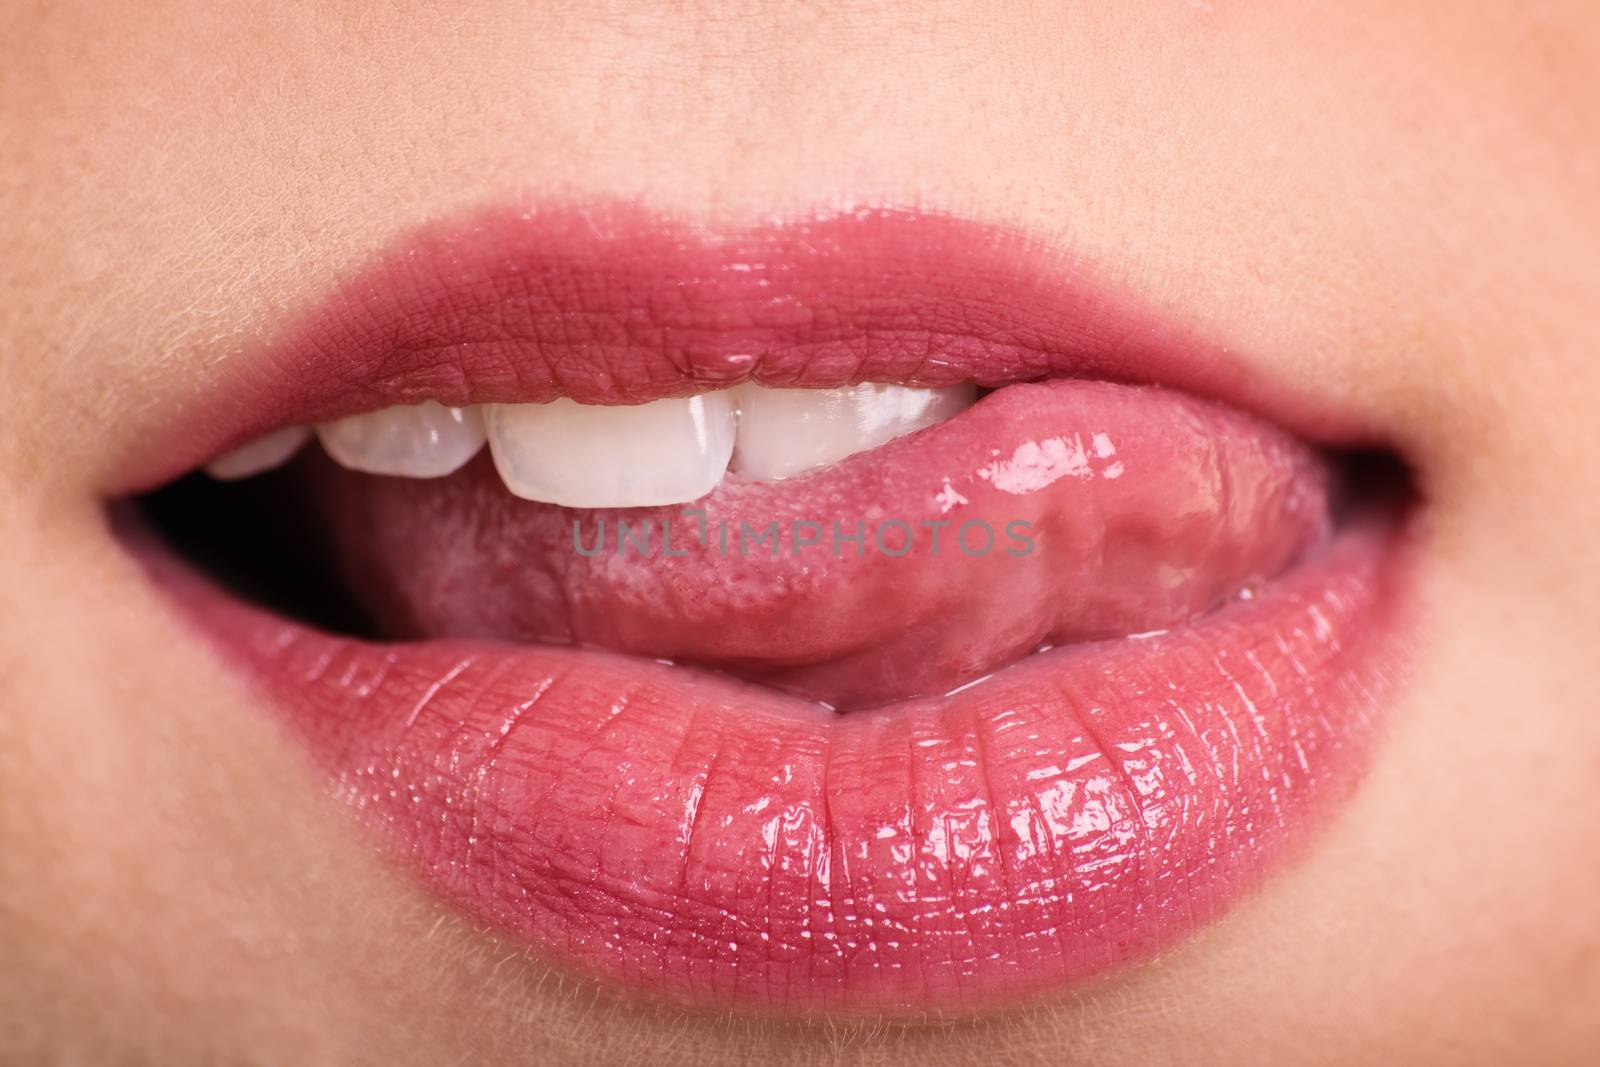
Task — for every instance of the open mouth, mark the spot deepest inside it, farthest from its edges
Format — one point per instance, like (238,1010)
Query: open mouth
(858,614)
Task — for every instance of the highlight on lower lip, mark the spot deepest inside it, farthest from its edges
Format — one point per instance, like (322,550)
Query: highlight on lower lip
(989,823)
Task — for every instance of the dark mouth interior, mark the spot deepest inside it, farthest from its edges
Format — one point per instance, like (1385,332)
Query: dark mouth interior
(256,539)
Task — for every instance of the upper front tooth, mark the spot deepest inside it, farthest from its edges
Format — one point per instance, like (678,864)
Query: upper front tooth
(587,456)
(426,440)
(787,431)
(262,454)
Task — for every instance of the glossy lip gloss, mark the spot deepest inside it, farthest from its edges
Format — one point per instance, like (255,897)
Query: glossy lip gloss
(683,835)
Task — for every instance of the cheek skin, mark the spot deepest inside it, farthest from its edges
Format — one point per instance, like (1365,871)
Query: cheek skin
(1383,205)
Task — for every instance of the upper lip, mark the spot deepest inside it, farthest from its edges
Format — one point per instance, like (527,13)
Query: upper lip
(685,834)
(613,305)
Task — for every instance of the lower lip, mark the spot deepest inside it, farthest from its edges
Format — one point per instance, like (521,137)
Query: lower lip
(693,838)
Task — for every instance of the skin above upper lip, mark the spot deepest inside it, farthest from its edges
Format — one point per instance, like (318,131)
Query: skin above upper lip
(684,834)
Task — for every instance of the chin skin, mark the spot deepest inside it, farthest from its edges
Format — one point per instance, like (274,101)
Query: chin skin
(1388,208)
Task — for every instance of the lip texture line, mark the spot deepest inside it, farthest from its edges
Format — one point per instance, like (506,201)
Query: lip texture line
(686,835)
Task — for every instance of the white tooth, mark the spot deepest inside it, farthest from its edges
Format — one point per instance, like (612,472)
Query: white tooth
(426,440)
(787,431)
(262,454)
(588,456)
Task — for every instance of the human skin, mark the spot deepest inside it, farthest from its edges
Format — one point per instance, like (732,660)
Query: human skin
(1389,206)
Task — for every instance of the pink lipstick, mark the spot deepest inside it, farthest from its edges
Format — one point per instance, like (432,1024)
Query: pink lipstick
(818,777)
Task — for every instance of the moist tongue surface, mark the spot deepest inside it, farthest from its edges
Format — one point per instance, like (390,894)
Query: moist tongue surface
(1048,513)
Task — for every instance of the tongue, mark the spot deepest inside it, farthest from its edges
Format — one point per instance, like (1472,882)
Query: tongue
(1048,513)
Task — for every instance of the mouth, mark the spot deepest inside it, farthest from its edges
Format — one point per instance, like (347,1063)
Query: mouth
(865,613)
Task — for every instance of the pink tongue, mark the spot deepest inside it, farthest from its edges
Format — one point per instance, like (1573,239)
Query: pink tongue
(1048,513)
